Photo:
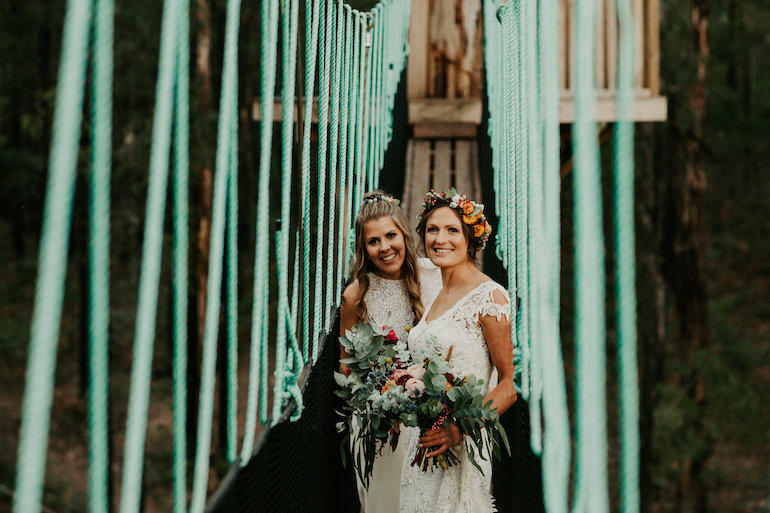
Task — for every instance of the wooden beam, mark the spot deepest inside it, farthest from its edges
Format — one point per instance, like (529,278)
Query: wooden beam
(256,110)
(445,110)
(445,130)
(644,109)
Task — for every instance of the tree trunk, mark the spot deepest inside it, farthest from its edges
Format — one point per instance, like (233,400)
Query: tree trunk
(688,280)
(651,293)
(202,154)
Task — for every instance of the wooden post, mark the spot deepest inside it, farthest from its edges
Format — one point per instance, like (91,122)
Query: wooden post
(652,46)
(417,63)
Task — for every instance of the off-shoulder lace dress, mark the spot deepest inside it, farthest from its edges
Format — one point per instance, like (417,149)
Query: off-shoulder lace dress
(462,488)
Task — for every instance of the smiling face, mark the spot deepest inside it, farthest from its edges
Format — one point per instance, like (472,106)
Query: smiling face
(385,246)
(445,242)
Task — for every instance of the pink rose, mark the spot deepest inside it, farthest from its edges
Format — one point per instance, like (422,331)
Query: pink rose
(416,371)
(415,387)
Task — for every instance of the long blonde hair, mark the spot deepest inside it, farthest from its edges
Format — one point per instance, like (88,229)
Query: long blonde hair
(378,204)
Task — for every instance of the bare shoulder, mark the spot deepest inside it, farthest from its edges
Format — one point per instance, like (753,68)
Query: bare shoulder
(351,293)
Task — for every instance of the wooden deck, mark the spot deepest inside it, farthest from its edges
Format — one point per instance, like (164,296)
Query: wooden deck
(439,164)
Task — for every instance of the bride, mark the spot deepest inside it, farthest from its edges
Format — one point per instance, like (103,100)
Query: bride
(389,289)
(471,315)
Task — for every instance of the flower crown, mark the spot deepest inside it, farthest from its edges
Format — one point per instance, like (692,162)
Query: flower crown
(381,197)
(470,212)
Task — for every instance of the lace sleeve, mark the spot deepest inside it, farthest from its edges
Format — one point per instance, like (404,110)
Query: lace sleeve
(489,306)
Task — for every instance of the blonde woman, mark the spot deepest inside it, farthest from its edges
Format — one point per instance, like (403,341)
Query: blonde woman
(391,286)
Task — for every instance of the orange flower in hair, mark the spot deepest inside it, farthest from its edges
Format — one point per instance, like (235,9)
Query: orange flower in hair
(468,208)
(478,230)
(470,219)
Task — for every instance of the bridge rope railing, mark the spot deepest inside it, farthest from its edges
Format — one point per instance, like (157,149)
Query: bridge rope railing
(521,64)
(354,60)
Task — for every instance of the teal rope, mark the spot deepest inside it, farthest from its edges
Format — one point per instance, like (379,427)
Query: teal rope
(556,446)
(625,265)
(181,242)
(535,214)
(352,127)
(289,15)
(320,320)
(332,286)
(296,358)
(591,472)
(41,365)
(138,401)
(257,395)
(345,102)
(232,291)
(311,48)
(363,86)
(379,71)
(224,171)
(99,285)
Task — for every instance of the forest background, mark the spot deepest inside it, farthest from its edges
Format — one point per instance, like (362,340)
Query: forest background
(703,224)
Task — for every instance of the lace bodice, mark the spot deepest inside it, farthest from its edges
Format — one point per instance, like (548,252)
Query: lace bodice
(459,328)
(387,301)
(462,488)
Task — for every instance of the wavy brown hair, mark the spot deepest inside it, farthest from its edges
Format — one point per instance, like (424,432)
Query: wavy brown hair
(375,206)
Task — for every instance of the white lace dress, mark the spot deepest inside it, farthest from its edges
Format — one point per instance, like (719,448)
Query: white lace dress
(388,305)
(461,488)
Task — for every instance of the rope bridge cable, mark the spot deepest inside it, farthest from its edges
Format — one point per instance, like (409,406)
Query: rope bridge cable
(357,83)
(522,86)
(359,59)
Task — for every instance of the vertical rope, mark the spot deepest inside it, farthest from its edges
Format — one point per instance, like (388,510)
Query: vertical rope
(320,321)
(533,130)
(625,265)
(232,288)
(311,47)
(343,180)
(289,15)
(556,446)
(352,134)
(224,172)
(138,402)
(52,260)
(180,279)
(591,473)
(332,287)
(257,395)
(99,285)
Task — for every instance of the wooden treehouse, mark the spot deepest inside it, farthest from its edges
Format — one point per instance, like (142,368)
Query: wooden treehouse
(444,86)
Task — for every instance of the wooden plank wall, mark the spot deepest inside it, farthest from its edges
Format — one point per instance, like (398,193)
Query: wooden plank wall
(446,49)
(439,164)
(647,58)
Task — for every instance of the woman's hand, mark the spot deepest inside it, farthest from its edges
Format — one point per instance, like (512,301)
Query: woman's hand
(442,438)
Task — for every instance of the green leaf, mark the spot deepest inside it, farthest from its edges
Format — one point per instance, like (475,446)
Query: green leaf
(439,382)
(409,419)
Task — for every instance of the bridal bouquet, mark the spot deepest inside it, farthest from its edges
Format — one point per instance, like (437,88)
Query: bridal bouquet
(374,400)
(439,398)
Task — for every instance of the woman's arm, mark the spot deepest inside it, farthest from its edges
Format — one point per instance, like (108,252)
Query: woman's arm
(497,333)
(348,317)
